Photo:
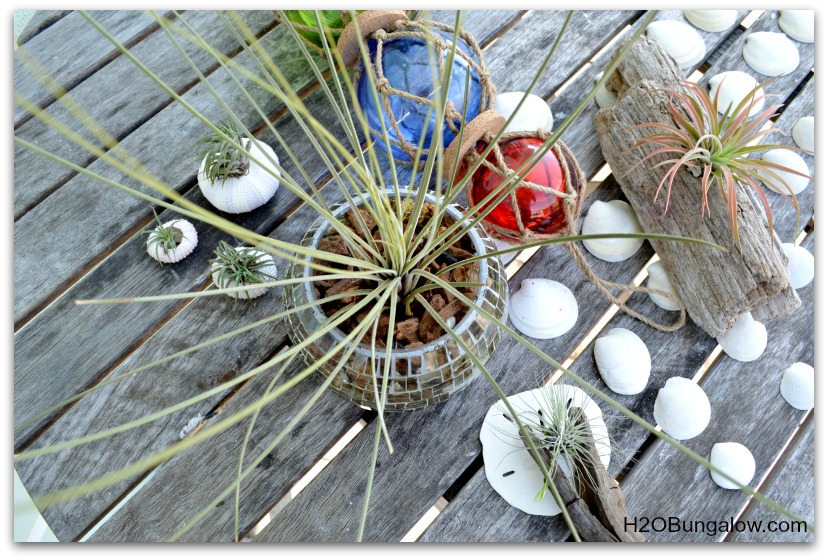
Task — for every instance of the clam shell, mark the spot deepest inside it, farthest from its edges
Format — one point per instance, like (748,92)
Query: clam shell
(791,160)
(770,54)
(243,194)
(736,460)
(803,133)
(252,292)
(615,216)
(798,24)
(657,279)
(604,97)
(623,361)
(681,41)
(746,340)
(681,408)
(733,87)
(711,20)
(800,265)
(543,308)
(189,240)
(533,115)
(797,386)
(509,467)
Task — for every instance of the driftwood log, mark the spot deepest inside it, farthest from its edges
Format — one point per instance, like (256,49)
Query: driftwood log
(716,287)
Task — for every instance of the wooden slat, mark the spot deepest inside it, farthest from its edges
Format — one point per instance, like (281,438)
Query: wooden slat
(124,108)
(791,484)
(42,19)
(71,50)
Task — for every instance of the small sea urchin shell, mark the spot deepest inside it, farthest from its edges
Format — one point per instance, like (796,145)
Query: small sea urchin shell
(657,279)
(615,216)
(746,340)
(682,408)
(732,88)
(803,133)
(798,24)
(543,308)
(533,115)
(266,270)
(623,361)
(237,195)
(770,54)
(713,21)
(681,41)
(736,460)
(797,386)
(184,246)
(791,160)
(800,265)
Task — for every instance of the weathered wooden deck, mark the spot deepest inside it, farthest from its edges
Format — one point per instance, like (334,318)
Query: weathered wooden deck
(75,238)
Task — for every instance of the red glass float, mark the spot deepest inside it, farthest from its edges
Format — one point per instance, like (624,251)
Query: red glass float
(541,213)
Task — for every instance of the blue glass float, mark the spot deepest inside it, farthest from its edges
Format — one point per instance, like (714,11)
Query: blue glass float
(406,66)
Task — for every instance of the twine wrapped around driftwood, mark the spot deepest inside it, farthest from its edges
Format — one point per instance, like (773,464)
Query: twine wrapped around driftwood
(715,286)
(404,28)
(574,181)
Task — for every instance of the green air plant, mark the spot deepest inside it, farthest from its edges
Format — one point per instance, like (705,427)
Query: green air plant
(221,154)
(391,255)
(717,148)
(242,266)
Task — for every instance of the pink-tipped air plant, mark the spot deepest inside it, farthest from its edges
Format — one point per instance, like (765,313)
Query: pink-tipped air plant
(718,149)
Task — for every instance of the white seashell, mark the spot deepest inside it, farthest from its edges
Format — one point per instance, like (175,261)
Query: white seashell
(681,41)
(189,240)
(268,272)
(770,54)
(509,467)
(237,195)
(615,216)
(733,87)
(657,279)
(711,20)
(803,133)
(746,340)
(501,245)
(533,115)
(800,265)
(623,361)
(543,308)
(736,460)
(798,24)
(682,408)
(604,97)
(797,386)
(793,161)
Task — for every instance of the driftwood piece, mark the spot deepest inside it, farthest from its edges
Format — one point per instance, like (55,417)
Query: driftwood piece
(716,287)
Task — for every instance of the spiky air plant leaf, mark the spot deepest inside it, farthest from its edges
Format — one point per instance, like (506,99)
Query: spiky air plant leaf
(717,148)
(223,160)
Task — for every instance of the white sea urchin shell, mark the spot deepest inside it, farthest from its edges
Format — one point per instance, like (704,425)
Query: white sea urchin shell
(770,54)
(713,21)
(533,115)
(623,361)
(604,97)
(732,88)
(509,467)
(615,216)
(681,41)
(798,24)
(682,408)
(791,160)
(189,240)
(736,460)
(543,308)
(267,271)
(237,195)
(803,133)
(800,265)
(797,386)
(657,279)
(746,340)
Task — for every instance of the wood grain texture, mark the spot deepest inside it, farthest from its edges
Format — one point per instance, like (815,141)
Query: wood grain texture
(791,483)
(71,50)
(118,109)
(42,19)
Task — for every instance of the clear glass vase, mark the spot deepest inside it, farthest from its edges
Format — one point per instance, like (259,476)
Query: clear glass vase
(420,376)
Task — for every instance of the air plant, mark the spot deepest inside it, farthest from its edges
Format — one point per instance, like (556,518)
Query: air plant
(222,159)
(717,149)
(172,241)
(242,266)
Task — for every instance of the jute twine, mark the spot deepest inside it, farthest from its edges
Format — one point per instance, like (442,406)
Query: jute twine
(422,30)
(574,181)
